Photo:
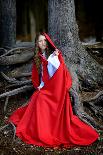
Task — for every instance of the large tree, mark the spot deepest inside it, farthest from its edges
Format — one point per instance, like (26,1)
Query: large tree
(7,23)
(63,29)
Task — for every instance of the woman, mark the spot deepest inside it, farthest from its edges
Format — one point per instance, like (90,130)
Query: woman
(47,119)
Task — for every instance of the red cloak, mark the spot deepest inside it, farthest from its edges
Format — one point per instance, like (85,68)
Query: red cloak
(47,119)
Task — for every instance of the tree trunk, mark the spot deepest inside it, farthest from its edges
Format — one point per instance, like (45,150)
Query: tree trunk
(64,31)
(7,23)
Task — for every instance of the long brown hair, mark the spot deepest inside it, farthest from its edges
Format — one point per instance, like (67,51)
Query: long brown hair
(49,50)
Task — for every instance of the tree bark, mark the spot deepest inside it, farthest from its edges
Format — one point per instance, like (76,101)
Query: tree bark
(7,23)
(64,31)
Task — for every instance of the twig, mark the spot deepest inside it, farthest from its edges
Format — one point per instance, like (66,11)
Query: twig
(95,97)
(3,127)
(14,130)
(6,102)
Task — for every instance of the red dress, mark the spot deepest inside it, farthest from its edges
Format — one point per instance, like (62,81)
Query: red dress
(47,119)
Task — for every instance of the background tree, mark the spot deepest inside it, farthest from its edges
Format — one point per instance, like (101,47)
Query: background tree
(13,57)
(7,23)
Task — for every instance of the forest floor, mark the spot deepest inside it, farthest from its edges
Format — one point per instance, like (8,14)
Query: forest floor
(8,146)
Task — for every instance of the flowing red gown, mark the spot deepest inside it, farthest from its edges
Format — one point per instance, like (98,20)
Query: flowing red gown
(47,119)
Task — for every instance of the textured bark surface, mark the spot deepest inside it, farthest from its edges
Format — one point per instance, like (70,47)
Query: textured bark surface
(7,23)
(63,29)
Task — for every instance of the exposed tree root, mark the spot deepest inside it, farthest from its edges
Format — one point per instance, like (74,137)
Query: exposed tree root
(14,81)
(96,105)
(16,91)
(79,110)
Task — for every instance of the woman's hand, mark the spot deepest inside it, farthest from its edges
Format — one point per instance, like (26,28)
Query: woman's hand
(56,52)
(39,88)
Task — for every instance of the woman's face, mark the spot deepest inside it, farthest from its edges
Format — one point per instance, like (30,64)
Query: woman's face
(42,42)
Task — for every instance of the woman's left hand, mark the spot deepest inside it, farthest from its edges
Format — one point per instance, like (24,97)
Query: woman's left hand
(56,52)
